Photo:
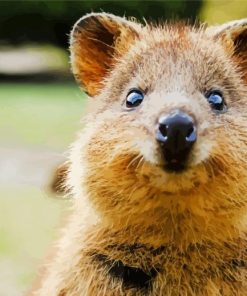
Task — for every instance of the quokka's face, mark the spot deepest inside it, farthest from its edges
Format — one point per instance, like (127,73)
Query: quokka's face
(168,120)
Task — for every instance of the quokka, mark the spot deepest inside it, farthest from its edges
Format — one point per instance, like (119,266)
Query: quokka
(159,172)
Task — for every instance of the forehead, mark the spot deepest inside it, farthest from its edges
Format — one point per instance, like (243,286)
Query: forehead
(175,55)
(177,44)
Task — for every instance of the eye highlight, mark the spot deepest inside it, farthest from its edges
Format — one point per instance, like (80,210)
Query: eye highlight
(134,98)
(216,100)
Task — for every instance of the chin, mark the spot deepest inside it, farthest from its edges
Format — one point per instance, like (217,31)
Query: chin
(176,179)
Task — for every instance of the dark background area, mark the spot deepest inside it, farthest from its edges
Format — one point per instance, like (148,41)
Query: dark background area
(51,21)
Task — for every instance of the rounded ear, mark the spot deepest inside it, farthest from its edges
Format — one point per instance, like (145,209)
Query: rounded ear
(96,40)
(234,38)
(58,179)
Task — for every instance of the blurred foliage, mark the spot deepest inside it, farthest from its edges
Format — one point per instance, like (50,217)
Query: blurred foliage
(51,21)
(216,12)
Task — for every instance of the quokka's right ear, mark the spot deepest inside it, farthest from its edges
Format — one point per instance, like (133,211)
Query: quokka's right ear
(97,39)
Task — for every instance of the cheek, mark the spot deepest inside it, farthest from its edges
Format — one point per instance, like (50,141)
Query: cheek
(204,145)
(111,158)
(230,153)
(112,182)
(112,147)
(147,147)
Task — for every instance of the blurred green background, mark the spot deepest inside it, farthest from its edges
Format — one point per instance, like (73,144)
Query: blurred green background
(40,109)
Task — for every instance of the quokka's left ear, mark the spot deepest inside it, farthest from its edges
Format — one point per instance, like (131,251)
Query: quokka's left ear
(96,40)
(234,38)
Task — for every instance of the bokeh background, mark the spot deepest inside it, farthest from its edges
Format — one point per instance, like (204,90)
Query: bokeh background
(40,109)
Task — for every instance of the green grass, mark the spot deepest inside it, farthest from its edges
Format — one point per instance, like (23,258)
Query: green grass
(32,116)
(28,223)
(41,115)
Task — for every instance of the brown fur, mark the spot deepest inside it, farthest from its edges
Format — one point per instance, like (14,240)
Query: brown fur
(58,180)
(186,231)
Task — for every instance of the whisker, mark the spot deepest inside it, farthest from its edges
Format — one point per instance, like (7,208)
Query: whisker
(141,161)
(133,160)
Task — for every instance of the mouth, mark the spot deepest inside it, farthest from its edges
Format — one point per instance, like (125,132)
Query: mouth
(174,167)
(173,177)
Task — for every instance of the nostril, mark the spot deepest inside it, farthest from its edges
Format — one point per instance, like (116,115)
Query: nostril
(190,131)
(191,134)
(163,130)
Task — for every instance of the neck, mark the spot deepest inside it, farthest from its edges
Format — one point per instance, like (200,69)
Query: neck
(153,218)
(191,226)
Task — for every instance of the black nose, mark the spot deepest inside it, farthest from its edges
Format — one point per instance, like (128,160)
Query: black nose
(176,135)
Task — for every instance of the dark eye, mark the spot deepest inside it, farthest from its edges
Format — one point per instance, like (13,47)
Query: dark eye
(134,98)
(216,100)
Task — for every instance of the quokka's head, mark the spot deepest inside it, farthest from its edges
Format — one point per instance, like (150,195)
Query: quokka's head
(167,126)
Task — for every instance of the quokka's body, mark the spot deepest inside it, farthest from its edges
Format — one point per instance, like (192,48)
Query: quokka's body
(159,173)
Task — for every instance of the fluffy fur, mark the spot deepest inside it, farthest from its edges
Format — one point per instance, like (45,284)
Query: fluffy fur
(137,229)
